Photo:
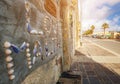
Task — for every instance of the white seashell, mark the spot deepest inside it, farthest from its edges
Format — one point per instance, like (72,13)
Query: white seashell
(8,51)
(41,32)
(39,53)
(33,32)
(27,50)
(8,59)
(10,65)
(11,71)
(12,77)
(49,54)
(28,54)
(30,66)
(7,44)
(29,62)
(34,59)
(27,44)
(28,58)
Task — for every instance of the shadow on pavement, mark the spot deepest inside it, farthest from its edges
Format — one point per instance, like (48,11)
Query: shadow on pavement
(92,72)
(79,53)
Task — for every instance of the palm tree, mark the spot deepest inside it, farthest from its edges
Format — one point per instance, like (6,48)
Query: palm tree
(92,27)
(105,26)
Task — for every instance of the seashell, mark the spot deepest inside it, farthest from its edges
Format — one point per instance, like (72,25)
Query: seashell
(9,65)
(11,71)
(39,53)
(34,50)
(8,59)
(30,66)
(48,54)
(8,51)
(15,48)
(33,32)
(7,44)
(27,50)
(28,58)
(28,54)
(29,62)
(11,77)
(29,28)
(27,44)
(40,32)
(34,59)
(23,46)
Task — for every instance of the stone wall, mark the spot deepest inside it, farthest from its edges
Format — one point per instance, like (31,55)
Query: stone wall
(30,38)
(49,73)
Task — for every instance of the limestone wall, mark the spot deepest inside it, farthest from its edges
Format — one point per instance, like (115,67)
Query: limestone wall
(30,38)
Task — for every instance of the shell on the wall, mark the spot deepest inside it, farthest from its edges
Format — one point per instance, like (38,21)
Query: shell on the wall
(8,51)
(7,44)
(8,59)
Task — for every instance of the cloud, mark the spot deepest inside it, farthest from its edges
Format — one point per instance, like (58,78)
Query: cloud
(95,12)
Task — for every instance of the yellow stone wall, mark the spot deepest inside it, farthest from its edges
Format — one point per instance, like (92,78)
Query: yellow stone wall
(70,29)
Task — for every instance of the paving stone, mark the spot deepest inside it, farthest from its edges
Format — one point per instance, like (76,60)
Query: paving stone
(85,81)
(115,79)
(90,73)
(107,82)
(84,75)
(94,80)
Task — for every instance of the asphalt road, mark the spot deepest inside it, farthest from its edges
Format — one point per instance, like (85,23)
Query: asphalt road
(108,44)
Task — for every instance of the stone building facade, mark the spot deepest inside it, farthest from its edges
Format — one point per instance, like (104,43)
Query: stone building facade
(37,40)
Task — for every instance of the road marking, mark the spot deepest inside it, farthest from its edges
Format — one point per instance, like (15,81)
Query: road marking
(104,48)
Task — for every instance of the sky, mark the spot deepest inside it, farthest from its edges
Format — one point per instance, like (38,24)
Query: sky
(97,12)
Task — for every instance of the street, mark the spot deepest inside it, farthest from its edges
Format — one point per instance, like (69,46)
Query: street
(99,50)
(108,44)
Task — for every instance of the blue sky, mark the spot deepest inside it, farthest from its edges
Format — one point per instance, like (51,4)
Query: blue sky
(96,13)
(115,11)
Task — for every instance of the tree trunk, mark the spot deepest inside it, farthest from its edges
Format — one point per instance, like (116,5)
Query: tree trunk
(104,31)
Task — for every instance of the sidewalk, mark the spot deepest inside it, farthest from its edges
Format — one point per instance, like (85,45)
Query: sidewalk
(95,65)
